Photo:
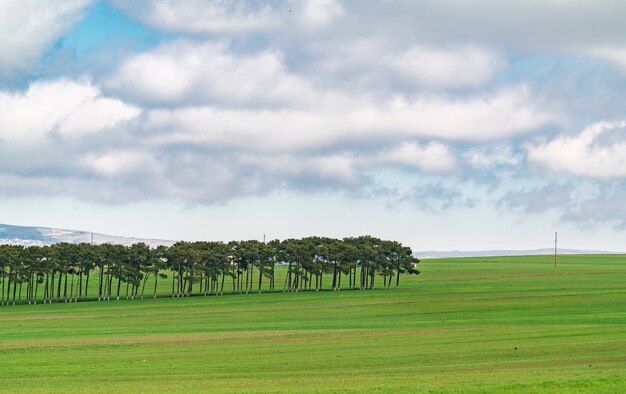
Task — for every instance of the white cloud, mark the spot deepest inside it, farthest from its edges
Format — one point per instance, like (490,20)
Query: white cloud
(70,108)
(599,151)
(616,55)
(486,157)
(448,67)
(196,16)
(510,111)
(338,166)
(433,157)
(187,73)
(319,13)
(481,118)
(119,162)
(29,27)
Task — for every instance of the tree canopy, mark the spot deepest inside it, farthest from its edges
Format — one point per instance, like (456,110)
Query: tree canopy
(62,272)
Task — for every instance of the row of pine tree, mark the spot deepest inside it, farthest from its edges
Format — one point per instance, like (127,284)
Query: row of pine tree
(62,272)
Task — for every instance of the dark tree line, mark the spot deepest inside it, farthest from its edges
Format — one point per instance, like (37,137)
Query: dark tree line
(62,272)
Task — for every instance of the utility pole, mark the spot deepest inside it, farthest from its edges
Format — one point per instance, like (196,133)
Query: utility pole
(263,238)
(555,240)
(91,239)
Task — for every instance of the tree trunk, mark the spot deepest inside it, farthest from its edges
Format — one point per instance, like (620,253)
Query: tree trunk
(9,286)
(156,279)
(180,283)
(87,283)
(398,277)
(222,287)
(80,284)
(362,276)
(100,278)
(201,283)
(238,275)
(45,289)
(51,290)
(36,288)
(191,281)
(143,288)
(72,287)
(365,278)
(288,277)
(29,285)
(65,289)
(294,285)
(353,285)
(248,273)
(110,286)
(107,285)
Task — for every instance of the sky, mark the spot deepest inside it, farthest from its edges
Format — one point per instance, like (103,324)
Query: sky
(445,125)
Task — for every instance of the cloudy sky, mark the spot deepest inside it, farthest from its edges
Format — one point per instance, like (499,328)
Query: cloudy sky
(441,124)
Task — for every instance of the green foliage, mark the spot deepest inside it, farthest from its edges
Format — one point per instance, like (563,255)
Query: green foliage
(196,268)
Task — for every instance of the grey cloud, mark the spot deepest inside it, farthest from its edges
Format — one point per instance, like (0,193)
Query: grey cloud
(587,89)
(534,24)
(606,207)
(540,199)
(105,169)
(436,197)
(585,204)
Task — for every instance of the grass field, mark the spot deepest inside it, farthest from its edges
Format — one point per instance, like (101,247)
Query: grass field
(509,324)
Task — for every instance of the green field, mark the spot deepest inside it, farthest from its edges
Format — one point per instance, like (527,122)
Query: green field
(505,324)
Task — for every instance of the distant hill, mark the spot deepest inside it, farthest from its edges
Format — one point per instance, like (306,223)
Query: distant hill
(27,236)
(490,253)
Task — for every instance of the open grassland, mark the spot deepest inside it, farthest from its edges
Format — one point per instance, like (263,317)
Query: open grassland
(503,324)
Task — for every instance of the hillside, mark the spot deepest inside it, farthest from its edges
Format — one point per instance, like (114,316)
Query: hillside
(439,254)
(499,324)
(27,236)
